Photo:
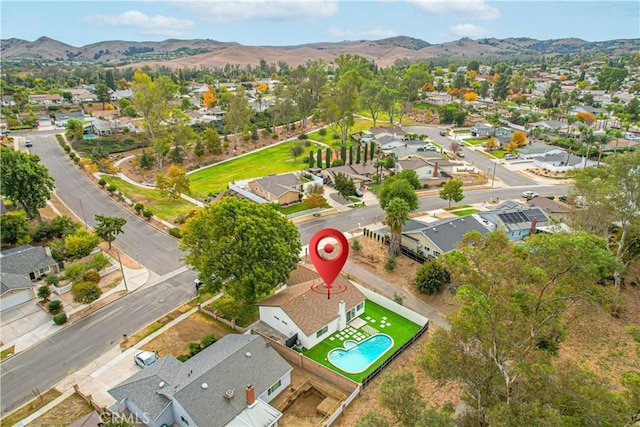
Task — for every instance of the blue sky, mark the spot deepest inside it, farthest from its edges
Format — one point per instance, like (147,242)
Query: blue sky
(283,22)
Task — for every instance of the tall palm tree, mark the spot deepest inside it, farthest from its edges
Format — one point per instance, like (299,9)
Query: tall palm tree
(397,211)
(603,140)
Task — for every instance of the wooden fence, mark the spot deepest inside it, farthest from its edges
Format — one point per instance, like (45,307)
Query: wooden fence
(231,324)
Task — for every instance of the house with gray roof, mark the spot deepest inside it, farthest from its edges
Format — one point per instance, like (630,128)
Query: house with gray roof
(284,189)
(562,161)
(229,383)
(15,290)
(515,219)
(537,149)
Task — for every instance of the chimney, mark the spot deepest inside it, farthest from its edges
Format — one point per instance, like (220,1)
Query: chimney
(342,315)
(533,226)
(47,250)
(251,395)
(435,170)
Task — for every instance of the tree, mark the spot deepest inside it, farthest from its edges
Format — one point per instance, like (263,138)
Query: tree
(14,230)
(341,102)
(431,278)
(611,195)
(80,243)
(501,87)
(511,318)
(108,227)
(209,98)
(344,185)
(296,150)
(492,143)
(212,142)
(371,98)
(44,292)
(314,201)
(372,419)
(399,395)
(452,190)
(408,175)
(109,80)
(102,93)
(85,292)
(75,129)
(397,214)
(241,247)
(519,138)
(401,188)
(237,115)
(174,183)
(24,180)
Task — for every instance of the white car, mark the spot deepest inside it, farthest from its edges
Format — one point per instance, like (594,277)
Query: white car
(510,157)
(145,358)
(529,194)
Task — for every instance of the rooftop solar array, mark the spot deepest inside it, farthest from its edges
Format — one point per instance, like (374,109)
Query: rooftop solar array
(513,217)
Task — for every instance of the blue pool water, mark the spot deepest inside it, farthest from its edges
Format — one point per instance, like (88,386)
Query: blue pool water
(357,358)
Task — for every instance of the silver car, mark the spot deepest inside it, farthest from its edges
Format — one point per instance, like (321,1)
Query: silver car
(145,358)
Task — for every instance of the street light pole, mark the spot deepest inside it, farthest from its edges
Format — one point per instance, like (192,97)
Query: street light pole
(493,179)
(82,210)
(124,279)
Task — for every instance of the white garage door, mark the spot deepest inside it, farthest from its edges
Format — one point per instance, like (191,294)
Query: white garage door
(11,300)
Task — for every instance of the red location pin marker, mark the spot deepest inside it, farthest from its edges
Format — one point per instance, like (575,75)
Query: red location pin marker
(329,268)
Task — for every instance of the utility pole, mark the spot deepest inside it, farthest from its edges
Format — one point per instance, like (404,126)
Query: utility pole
(82,210)
(493,179)
(124,279)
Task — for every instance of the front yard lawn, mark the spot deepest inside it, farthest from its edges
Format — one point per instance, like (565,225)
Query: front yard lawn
(230,309)
(465,212)
(475,141)
(167,209)
(273,160)
(397,327)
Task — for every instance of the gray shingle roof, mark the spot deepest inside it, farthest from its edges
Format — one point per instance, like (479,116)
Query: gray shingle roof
(25,259)
(446,233)
(279,185)
(10,281)
(229,364)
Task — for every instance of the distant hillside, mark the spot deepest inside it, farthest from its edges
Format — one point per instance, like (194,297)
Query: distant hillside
(180,53)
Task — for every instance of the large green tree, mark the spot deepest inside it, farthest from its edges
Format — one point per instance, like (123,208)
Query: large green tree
(510,323)
(396,215)
(241,247)
(238,114)
(344,185)
(452,190)
(108,227)
(24,180)
(341,102)
(401,188)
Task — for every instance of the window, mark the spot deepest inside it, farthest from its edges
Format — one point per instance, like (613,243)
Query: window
(360,306)
(43,270)
(274,387)
(322,331)
(184,420)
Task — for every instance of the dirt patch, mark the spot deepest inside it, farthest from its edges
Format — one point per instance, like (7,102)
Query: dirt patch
(192,329)
(303,411)
(50,213)
(72,408)
(132,340)
(31,407)
(127,261)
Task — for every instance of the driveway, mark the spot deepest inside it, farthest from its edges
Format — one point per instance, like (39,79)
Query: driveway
(21,320)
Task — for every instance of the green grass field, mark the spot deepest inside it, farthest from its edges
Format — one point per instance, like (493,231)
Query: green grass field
(465,212)
(152,199)
(401,330)
(475,141)
(276,159)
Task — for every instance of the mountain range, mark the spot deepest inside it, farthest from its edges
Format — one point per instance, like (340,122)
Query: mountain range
(194,53)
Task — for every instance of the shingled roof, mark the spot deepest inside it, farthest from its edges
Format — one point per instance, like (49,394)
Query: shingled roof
(25,259)
(12,282)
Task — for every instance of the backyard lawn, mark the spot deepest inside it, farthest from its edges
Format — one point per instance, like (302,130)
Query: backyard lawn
(273,160)
(396,326)
(167,209)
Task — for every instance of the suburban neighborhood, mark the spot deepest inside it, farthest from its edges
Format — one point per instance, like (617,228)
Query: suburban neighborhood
(160,225)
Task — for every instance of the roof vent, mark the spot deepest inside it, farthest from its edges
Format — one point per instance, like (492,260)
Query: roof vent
(228,394)
(204,386)
(248,354)
(435,229)
(162,384)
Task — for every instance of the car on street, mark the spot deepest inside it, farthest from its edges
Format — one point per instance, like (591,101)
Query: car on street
(145,358)
(510,157)
(428,147)
(564,198)
(358,193)
(460,154)
(28,143)
(529,194)
(443,133)
(461,143)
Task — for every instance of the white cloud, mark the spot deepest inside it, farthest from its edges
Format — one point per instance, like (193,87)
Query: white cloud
(472,9)
(468,30)
(368,34)
(157,25)
(225,11)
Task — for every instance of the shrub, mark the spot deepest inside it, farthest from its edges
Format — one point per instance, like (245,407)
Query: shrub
(44,292)
(147,213)
(356,245)
(91,275)
(111,188)
(138,207)
(98,262)
(303,136)
(431,278)
(335,136)
(80,243)
(183,357)
(274,135)
(54,307)
(66,148)
(60,319)
(102,182)
(207,340)
(85,292)
(74,271)
(175,232)
(194,348)
(390,262)
(51,279)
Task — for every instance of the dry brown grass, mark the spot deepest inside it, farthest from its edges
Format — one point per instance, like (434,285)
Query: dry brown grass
(31,407)
(72,408)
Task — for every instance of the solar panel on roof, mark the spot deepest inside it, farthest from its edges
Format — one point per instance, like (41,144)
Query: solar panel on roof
(513,217)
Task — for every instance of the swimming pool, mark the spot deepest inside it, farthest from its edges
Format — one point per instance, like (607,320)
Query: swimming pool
(357,357)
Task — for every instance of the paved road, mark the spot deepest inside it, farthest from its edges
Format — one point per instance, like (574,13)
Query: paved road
(483,163)
(154,249)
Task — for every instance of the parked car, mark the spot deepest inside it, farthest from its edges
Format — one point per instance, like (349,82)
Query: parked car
(460,154)
(529,194)
(28,143)
(358,193)
(510,157)
(443,133)
(461,143)
(564,198)
(145,358)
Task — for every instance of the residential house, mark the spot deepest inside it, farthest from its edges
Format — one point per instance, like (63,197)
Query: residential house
(121,94)
(305,311)
(516,220)
(359,174)
(105,127)
(8,101)
(61,119)
(15,290)
(45,99)
(32,262)
(439,237)
(562,161)
(537,149)
(482,130)
(423,168)
(396,132)
(549,125)
(556,211)
(284,189)
(621,144)
(229,383)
